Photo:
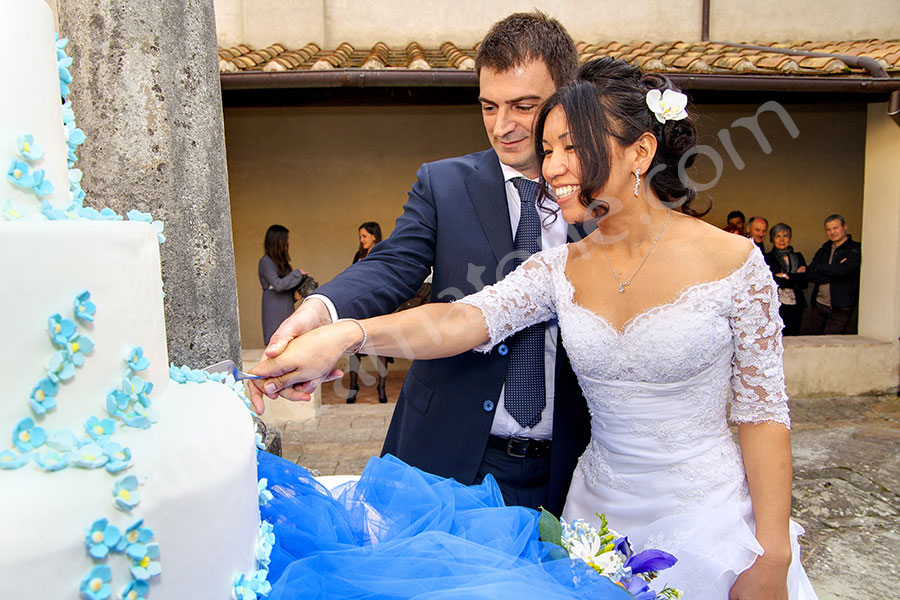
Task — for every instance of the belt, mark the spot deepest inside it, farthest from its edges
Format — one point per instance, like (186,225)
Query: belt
(520,447)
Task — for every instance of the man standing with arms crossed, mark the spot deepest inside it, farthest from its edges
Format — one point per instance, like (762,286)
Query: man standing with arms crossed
(517,412)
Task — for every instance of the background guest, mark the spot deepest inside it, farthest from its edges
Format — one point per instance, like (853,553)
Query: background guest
(736,219)
(788,268)
(835,271)
(369,235)
(757,227)
(278,280)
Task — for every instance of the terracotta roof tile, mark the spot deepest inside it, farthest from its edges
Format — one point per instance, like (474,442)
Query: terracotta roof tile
(671,57)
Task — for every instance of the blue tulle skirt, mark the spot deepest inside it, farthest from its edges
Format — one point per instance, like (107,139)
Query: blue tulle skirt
(402,533)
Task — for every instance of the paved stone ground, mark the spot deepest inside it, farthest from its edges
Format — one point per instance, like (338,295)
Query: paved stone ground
(846,481)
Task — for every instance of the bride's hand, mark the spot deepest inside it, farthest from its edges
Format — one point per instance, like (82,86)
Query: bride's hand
(766,579)
(305,362)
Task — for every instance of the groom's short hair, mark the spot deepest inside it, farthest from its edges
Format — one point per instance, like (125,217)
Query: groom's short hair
(524,37)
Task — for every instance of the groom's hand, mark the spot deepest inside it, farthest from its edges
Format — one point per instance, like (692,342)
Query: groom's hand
(311,314)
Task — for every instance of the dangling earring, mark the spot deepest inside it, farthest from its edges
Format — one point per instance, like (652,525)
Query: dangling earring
(637,180)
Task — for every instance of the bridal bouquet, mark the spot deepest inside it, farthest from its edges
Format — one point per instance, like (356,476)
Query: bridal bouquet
(610,554)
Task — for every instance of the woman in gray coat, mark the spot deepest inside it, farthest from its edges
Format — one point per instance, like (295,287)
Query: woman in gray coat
(278,280)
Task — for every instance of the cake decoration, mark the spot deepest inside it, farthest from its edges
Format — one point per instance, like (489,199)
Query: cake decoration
(43,396)
(19,174)
(99,430)
(125,493)
(95,585)
(29,149)
(102,538)
(12,212)
(11,460)
(136,360)
(264,494)
(27,436)
(136,590)
(63,63)
(89,456)
(251,588)
(84,308)
(144,564)
(62,440)
(52,460)
(119,457)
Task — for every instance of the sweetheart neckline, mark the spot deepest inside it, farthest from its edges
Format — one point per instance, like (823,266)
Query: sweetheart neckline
(628,324)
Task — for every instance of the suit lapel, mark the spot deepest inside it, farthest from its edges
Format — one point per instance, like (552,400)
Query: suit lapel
(487,193)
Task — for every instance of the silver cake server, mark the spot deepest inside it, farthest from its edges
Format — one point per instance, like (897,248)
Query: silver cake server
(229,368)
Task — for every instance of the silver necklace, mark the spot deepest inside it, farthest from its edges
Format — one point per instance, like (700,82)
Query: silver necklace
(646,256)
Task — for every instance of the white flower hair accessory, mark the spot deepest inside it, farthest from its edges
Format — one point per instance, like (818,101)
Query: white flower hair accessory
(668,105)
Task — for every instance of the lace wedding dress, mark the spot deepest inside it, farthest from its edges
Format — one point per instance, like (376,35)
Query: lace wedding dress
(662,463)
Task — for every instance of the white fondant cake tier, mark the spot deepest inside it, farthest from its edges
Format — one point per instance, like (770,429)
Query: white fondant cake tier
(30,101)
(197,463)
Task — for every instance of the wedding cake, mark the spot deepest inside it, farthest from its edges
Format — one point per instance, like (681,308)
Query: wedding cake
(115,479)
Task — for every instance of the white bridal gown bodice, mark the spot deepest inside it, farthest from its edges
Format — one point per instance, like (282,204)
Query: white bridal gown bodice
(662,464)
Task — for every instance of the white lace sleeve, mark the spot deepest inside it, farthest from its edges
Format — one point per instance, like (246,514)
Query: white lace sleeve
(522,298)
(757,378)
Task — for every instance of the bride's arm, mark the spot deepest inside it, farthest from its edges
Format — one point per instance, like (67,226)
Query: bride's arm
(766,448)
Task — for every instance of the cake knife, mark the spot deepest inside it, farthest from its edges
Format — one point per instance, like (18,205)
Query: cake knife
(229,368)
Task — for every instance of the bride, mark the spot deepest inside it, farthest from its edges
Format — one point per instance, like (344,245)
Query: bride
(665,319)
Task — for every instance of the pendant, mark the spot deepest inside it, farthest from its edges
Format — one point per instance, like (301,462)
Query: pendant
(621,288)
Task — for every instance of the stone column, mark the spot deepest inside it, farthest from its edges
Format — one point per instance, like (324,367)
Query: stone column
(146,92)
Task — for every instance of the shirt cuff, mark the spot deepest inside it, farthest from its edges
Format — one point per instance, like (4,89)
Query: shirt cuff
(332,311)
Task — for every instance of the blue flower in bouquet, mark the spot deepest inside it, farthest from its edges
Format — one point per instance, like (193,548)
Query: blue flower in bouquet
(61,330)
(41,185)
(98,429)
(43,396)
(27,436)
(119,457)
(84,308)
(89,456)
(648,561)
(52,460)
(62,440)
(29,149)
(10,460)
(136,590)
(125,494)
(136,360)
(12,212)
(146,566)
(19,175)
(78,346)
(60,366)
(95,585)
(101,538)
(264,494)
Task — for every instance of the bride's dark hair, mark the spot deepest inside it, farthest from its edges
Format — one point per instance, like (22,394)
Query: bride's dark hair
(608,99)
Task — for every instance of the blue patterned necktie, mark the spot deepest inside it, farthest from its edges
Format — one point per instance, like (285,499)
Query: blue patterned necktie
(525,396)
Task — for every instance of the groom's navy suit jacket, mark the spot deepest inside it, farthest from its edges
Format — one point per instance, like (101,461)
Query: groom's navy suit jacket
(456,220)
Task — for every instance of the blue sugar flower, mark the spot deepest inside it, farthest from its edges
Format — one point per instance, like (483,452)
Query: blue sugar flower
(119,457)
(28,148)
(109,214)
(101,538)
(132,386)
(12,212)
(137,418)
(264,494)
(51,460)
(27,437)
(52,213)
(125,494)
(136,590)
(84,308)
(136,215)
(178,374)
(263,587)
(117,402)
(78,346)
(43,396)
(95,585)
(136,360)
(19,175)
(136,535)
(90,456)
(245,588)
(259,441)
(198,376)
(41,186)
(148,565)
(68,113)
(60,366)
(100,430)
(264,544)
(12,460)
(62,440)
(61,330)
(77,195)
(143,395)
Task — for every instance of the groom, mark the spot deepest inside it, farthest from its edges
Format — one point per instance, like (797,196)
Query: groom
(517,412)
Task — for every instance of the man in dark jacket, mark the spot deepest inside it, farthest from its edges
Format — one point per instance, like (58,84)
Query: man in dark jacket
(835,271)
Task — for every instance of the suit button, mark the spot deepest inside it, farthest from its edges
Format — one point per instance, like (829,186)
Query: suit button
(503,349)
(488,405)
